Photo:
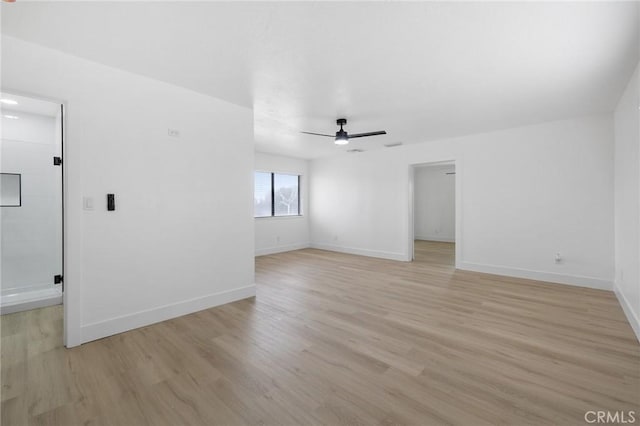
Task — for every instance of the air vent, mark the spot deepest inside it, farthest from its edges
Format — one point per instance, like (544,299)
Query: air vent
(391,145)
(355,150)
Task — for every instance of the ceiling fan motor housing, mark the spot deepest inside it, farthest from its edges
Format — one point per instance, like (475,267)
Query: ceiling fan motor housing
(342,137)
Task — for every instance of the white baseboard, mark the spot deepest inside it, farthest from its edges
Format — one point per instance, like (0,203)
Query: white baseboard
(32,304)
(553,277)
(361,252)
(124,323)
(632,317)
(281,249)
(440,238)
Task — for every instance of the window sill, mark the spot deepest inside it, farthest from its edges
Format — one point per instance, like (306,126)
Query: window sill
(298,216)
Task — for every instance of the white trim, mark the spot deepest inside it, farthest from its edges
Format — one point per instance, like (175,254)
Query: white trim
(458,238)
(73,218)
(25,305)
(285,217)
(411,225)
(8,292)
(35,304)
(362,252)
(438,238)
(281,249)
(628,311)
(575,280)
(124,323)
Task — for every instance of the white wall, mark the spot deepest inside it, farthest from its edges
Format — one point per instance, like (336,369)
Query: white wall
(435,203)
(182,236)
(31,243)
(526,193)
(279,234)
(627,201)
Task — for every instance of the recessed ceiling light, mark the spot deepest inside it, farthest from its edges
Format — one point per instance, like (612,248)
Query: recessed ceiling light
(8,101)
(11,117)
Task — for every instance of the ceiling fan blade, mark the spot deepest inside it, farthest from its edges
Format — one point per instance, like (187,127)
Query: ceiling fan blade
(362,135)
(318,134)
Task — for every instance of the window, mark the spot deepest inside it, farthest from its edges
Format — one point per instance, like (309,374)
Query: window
(262,201)
(276,194)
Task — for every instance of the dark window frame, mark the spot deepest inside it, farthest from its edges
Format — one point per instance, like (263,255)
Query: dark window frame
(273,196)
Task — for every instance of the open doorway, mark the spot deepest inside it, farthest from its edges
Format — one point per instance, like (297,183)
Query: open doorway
(434,213)
(31,212)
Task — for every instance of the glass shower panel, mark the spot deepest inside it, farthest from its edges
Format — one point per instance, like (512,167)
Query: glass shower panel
(31,229)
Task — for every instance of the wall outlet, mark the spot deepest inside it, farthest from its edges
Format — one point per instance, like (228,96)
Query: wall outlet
(558,258)
(174,133)
(278,239)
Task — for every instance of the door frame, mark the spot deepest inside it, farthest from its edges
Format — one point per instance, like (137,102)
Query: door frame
(71,230)
(457,163)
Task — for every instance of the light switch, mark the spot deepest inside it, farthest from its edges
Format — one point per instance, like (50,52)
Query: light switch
(87,203)
(111,202)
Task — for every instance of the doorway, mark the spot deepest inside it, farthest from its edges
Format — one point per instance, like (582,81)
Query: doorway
(433,217)
(31,212)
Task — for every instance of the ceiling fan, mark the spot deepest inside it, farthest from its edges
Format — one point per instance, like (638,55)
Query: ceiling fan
(342,137)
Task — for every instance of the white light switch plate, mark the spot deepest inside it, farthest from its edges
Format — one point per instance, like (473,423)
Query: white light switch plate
(87,203)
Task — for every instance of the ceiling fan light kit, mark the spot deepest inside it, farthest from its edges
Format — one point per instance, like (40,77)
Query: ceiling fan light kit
(342,137)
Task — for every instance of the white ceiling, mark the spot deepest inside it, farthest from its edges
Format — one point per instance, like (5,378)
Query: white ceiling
(420,71)
(28,104)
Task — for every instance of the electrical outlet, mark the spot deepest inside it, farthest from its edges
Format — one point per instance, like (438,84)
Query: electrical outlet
(174,133)
(278,239)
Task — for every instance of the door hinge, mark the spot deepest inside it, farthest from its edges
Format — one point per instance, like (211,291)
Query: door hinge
(58,279)
(57,161)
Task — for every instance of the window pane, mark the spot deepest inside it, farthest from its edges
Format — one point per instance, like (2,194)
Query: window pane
(262,194)
(286,195)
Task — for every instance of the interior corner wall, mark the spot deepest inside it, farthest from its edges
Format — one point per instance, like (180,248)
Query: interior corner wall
(180,201)
(434,201)
(526,194)
(280,234)
(627,201)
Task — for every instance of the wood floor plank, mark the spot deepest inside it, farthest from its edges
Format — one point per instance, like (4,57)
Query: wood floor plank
(339,339)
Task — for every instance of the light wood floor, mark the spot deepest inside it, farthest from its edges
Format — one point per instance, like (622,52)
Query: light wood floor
(339,339)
